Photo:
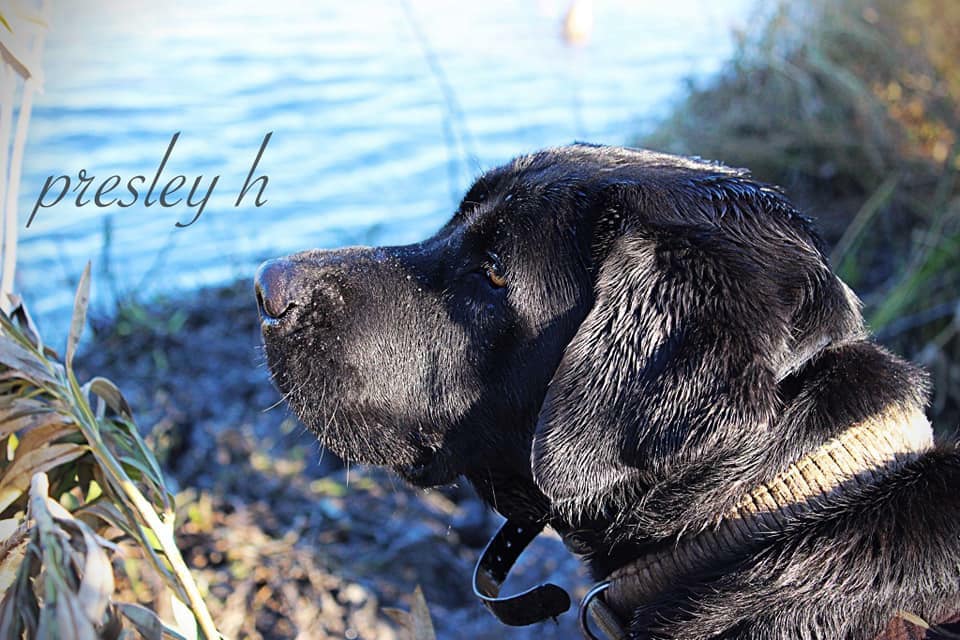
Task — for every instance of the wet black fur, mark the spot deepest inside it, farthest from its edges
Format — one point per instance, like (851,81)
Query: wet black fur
(670,335)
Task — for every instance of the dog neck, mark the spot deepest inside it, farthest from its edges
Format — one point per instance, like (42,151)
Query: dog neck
(859,457)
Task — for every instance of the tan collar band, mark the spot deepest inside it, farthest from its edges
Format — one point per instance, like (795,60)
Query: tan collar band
(862,455)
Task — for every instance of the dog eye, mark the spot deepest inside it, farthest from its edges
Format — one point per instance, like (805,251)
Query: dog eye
(494,272)
(496,278)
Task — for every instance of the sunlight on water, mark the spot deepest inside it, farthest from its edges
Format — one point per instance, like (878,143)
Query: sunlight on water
(366,148)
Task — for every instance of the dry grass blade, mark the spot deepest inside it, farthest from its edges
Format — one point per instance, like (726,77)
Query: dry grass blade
(79,316)
(416,622)
(21,315)
(12,550)
(17,478)
(44,429)
(33,420)
(913,619)
(15,356)
(62,614)
(421,624)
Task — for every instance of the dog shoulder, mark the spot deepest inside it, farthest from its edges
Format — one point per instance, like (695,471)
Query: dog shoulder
(889,548)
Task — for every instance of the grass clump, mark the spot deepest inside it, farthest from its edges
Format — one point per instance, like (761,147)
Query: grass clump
(854,107)
(77,482)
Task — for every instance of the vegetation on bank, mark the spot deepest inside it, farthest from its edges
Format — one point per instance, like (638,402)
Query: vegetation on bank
(853,106)
(79,486)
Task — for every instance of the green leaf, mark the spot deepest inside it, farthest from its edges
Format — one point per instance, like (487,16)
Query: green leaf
(105,389)
(147,622)
(106,512)
(4,22)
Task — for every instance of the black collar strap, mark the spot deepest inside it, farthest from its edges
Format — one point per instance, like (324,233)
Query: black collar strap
(533,605)
(538,603)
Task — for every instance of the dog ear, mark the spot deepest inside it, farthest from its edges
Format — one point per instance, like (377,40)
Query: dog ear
(701,307)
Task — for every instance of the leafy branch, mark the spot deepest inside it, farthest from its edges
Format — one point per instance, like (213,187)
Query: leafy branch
(72,467)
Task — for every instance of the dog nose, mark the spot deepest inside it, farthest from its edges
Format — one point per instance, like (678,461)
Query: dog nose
(276,291)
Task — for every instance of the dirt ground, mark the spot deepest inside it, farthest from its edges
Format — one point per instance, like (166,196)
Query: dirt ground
(286,541)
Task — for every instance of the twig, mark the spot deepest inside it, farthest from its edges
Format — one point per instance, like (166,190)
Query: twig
(10,174)
(11,543)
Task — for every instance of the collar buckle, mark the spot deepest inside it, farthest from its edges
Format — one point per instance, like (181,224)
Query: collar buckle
(593,607)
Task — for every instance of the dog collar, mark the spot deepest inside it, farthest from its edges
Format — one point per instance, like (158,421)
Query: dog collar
(861,455)
(533,605)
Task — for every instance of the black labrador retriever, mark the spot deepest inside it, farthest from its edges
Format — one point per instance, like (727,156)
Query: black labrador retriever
(652,355)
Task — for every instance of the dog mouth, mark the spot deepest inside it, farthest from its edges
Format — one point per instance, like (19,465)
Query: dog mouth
(340,428)
(330,394)
(418,464)
(427,472)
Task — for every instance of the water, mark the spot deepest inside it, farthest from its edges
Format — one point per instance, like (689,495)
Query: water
(371,144)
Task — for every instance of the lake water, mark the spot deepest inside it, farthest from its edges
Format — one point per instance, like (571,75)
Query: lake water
(382,113)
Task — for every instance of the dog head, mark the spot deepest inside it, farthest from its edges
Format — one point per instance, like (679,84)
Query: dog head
(592,321)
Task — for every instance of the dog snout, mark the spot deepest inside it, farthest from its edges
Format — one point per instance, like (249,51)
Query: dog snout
(284,284)
(315,279)
(278,288)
